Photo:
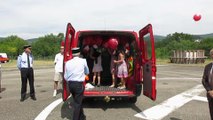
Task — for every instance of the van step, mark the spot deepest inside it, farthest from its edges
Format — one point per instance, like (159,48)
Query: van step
(108,91)
(105,88)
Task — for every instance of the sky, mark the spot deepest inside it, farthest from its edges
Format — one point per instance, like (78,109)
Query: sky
(36,18)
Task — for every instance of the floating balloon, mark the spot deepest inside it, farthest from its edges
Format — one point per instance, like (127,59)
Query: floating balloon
(196,17)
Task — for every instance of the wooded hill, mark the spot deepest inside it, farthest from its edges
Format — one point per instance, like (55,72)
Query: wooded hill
(48,45)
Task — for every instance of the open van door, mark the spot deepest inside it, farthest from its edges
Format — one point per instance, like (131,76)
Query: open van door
(148,61)
(69,38)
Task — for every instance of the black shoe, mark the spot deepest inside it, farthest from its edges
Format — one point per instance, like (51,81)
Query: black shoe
(22,99)
(33,98)
(83,117)
(93,84)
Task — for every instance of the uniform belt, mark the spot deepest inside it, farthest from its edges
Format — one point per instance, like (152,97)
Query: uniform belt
(75,81)
(27,68)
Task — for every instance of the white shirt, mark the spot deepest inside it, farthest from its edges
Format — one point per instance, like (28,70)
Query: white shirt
(75,69)
(22,61)
(59,62)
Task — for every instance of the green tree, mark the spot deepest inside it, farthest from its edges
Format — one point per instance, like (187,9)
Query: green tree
(176,41)
(205,44)
(179,37)
(46,46)
(60,35)
(12,45)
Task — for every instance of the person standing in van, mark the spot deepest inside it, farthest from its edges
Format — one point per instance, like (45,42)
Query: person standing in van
(97,68)
(113,66)
(122,71)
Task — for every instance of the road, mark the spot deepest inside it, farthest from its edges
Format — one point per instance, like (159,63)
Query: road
(172,80)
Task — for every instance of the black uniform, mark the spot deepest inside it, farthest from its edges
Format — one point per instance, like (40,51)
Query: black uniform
(24,63)
(208,85)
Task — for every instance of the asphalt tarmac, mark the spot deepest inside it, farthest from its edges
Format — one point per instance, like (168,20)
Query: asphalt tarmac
(172,80)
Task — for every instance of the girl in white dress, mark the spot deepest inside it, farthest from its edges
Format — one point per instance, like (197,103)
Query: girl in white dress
(122,71)
(97,68)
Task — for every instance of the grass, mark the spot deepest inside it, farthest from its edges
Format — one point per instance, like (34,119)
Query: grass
(37,63)
(167,61)
(162,61)
(43,63)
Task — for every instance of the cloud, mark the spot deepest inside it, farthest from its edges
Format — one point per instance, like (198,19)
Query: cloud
(30,18)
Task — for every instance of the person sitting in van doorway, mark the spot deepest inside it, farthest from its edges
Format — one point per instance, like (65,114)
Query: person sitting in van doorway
(97,68)
(122,71)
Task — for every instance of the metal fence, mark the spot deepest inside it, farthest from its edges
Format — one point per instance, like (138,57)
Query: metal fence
(188,56)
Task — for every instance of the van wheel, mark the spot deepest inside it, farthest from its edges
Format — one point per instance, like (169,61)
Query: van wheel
(133,99)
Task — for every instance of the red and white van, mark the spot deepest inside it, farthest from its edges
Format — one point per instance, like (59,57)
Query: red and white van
(142,68)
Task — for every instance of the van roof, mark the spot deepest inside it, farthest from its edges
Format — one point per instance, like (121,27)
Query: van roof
(99,32)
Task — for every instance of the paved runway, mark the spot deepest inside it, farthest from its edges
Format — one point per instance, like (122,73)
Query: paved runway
(172,80)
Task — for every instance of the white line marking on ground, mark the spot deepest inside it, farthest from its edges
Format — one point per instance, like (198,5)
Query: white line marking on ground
(180,73)
(43,115)
(199,98)
(163,65)
(160,111)
(176,78)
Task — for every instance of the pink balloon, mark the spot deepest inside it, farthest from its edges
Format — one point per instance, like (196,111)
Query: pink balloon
(196,17)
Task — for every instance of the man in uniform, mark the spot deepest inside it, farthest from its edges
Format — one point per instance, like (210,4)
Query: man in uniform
(25,65)
(208,83)
(74,74)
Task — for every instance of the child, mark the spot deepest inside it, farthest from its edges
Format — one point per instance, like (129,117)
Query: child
(112,66)
(97,68)
(122,71)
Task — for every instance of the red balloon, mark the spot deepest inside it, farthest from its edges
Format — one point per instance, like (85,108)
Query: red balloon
(112,43)
(197,17)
